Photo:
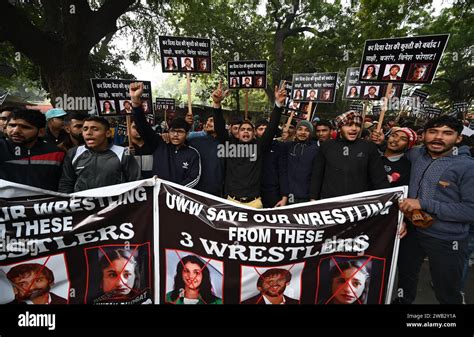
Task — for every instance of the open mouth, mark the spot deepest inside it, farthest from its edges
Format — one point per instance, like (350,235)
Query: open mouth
(437,144)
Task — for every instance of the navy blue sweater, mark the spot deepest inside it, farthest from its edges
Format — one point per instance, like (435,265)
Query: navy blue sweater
(275,169)
(212,173)
(300,167)
(445,189)
(181,165)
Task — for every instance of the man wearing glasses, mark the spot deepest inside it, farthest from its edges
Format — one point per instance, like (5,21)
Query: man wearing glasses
(176,161)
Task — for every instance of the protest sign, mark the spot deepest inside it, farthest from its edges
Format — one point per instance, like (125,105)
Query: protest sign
(163,104)
(314,87)
(112,96)
(299,109)
(405,60)
(422,95)
(185,54)
(369,91)
(247,74)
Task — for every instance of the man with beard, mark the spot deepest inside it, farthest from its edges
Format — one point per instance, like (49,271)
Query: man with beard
(24,157)
(301,154)
(347,164)
(73,126)
(32,284)
(272,285)
(55,133)
(442,185)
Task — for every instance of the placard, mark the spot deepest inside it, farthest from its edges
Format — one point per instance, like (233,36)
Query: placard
(403,60)
(112,97)
(370,91)
(247,74)
(314,87)
(185,54)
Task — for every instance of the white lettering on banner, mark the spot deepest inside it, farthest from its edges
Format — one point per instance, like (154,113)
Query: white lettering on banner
(278,254)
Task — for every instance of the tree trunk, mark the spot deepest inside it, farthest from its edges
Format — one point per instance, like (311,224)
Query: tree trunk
(70,77)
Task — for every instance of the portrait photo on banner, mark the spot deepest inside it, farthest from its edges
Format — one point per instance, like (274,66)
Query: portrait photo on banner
(193,279)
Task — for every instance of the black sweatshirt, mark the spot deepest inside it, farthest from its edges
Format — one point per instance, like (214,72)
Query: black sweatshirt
(342,167)
(243,174)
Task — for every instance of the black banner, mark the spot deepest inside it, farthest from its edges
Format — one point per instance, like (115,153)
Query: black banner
(247,74)
(370,91)
(315,87)
(185,54)
(76,250)
(292,255)
(404,60)
(112,97)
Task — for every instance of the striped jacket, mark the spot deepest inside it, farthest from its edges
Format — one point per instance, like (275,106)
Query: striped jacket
(39,166)
(85,169)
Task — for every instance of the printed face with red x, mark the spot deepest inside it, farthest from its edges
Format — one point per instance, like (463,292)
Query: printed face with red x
(119,277)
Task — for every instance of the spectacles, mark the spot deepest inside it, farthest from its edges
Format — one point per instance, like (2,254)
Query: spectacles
(177,132)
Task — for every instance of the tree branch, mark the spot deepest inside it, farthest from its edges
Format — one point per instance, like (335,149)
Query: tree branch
(103,22)
(16,28)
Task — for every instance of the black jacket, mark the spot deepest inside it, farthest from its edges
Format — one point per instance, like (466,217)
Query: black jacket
(301,157)
(39,166)
(400,165)
(342,167)
(212,167)
(275,170)
(243,174)
(258,299)
(181,165)
(84,169)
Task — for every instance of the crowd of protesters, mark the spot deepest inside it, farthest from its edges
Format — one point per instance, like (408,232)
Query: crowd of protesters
(265,165)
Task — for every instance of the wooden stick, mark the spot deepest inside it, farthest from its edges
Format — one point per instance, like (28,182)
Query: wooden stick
(310,109)
(129,132)
(288,122)
(188,82)
(246,104)
(364,112)
(384,106)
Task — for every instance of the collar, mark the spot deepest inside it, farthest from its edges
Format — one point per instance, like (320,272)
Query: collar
(49,300)
(268,302)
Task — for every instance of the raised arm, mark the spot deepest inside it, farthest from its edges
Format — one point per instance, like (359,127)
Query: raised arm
(144,129)
(269,134)
(219,124)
